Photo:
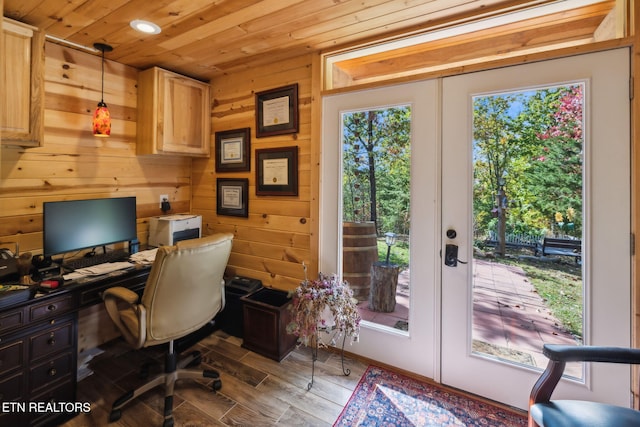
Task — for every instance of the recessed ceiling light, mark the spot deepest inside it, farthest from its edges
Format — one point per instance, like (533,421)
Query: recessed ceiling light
(145,26)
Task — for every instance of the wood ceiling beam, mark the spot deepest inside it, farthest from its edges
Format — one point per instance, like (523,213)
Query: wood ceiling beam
(575,25)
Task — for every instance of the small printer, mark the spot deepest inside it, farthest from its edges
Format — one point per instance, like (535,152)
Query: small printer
(170,229)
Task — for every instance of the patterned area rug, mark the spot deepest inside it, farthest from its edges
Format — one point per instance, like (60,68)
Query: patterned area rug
(384,398)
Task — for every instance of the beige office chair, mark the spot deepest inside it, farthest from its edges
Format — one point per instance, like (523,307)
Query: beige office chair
(184,291)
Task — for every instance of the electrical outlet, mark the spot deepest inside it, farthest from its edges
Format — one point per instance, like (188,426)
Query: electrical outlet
(163,198)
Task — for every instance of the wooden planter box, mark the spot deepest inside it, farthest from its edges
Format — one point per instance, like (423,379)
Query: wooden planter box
(265,318)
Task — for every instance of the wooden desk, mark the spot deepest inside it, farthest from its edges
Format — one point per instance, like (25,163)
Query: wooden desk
(39,348)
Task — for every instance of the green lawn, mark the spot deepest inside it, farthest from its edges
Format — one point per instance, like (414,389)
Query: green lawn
(399,253)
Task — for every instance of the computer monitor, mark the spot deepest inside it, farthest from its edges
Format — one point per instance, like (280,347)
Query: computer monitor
(81,224)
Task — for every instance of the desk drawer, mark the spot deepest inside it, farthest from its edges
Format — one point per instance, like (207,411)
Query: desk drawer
(52,340)
(51,307)
(11,389)
(63,392)
(11,356)
(93,295)
(50,371)
(12,319)
(12,418)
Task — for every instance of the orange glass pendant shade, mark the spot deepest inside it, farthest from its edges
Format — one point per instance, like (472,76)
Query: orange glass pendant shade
(101,120)
(102,117)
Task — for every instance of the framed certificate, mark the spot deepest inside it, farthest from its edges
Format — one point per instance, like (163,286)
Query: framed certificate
(232,197)
(277,111)
(277,171)
(233,150)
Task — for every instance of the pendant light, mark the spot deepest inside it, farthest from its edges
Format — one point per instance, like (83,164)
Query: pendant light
(101,117)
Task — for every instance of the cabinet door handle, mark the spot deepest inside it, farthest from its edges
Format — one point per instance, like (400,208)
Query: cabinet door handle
(52,307)
(52,339)
(52,372)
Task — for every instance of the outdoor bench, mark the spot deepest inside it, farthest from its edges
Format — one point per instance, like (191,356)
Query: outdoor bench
(563,247)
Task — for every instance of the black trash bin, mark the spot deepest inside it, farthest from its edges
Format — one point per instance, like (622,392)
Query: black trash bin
(230,319)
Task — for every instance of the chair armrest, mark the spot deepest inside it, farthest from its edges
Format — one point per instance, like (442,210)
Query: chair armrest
(559,355)
(112,297)
(568,353)
(123,294)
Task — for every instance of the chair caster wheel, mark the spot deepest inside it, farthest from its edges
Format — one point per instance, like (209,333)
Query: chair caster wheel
(211,374)
(115,415)
(168,422)
(217,385)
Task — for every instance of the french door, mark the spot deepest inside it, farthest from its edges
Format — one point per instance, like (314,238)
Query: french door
(440,340)
(414,349)
(603,199)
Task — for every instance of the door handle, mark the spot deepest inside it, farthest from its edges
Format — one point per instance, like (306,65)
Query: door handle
(451,256)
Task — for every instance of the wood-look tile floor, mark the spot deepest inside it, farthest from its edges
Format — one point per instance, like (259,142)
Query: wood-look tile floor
(256,391)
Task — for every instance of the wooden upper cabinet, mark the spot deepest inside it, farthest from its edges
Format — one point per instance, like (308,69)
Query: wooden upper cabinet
(173,114)
(22,77)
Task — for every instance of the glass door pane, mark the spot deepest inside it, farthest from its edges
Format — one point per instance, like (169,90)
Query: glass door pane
(528,222)
(376,158)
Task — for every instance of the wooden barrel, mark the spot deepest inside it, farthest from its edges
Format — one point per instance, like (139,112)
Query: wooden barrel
(359,252)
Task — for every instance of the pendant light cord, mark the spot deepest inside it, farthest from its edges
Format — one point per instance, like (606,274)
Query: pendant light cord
(102,90)
(103,48)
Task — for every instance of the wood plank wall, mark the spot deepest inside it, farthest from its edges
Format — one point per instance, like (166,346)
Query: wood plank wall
(73,164)
(277,237)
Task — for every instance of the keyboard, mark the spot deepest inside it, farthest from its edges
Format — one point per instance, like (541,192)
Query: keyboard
(109,257)
(108,267)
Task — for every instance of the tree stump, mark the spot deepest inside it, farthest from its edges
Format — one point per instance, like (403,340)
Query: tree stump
(384,281)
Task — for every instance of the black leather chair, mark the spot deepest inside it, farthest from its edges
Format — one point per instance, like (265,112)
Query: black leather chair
(544,412)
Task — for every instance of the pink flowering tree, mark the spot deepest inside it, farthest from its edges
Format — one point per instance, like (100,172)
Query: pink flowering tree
(529,145)
(556,170)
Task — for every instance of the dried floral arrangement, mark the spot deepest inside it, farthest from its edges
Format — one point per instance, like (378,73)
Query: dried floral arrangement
(324,304)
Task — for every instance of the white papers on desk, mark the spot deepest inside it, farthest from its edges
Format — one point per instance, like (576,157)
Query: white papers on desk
(98,270)
(73,276)
(83,362)
(144,257)
(107,267)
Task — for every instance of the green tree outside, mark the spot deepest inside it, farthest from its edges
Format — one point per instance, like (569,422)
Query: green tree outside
(376,168)
(532,143)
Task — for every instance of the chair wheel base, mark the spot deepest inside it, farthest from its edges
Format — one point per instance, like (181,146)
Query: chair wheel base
(217,385)
(115,415)
(168,422)
(210,374)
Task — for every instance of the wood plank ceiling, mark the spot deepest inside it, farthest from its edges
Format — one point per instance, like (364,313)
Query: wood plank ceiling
(206,38)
